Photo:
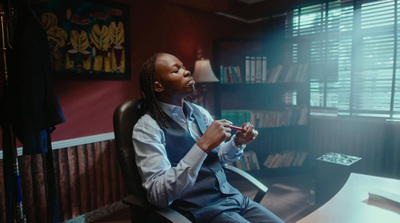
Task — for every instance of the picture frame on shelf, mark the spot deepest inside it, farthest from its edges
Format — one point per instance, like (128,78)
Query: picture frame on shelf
(87,39)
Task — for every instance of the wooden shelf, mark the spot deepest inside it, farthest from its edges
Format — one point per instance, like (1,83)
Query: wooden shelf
(266,98)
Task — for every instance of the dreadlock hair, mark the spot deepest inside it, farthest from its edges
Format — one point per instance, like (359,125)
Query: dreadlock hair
(146,81)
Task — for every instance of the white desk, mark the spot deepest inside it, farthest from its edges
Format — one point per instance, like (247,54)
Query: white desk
(351,203)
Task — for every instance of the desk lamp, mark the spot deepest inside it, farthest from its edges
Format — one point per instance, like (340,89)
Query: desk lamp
(204,74)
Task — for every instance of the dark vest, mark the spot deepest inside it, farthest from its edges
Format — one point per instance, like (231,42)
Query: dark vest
(211,185)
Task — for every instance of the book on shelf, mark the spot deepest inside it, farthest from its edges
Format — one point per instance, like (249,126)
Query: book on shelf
(238,73)
(301,76)
(264,70)
(227,77)
(221,74)
(237,117)
(268,119)
(247,162)
(296,72)
(287,73)
(230,74)
(285,159)
(252,70)
(290,73)
(275,73)
(247,69)
(258,69)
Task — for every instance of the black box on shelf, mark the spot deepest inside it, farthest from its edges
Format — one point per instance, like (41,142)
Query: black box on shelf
(331,172)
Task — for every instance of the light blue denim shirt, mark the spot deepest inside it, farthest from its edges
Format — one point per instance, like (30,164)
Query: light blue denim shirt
(165,183)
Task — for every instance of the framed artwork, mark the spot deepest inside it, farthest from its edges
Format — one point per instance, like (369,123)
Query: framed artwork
(87,39)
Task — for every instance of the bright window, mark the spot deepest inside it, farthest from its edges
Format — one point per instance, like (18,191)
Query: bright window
(352,51)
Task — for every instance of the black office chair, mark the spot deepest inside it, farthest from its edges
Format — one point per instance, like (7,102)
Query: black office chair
(125,117)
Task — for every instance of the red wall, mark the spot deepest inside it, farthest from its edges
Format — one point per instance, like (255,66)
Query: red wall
(155,26)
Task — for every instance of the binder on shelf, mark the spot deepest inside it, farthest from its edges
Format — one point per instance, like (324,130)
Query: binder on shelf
(258,69)
(252,69)
(247,69)
(264,70)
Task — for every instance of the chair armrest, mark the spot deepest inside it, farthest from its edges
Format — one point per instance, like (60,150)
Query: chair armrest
(168,214)
(262,189)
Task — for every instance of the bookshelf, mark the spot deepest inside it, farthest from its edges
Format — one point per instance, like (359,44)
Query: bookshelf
(257,85)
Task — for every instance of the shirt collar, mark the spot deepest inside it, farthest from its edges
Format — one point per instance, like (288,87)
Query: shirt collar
(169,109)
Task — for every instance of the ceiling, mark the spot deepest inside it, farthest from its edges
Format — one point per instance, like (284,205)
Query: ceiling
(249,11)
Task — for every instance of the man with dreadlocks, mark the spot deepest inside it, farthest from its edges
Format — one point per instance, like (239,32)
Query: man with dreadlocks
(180,149)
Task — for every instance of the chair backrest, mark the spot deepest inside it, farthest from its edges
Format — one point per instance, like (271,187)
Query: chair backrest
(125,117)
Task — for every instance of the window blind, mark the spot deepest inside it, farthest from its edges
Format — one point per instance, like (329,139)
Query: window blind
(351,49)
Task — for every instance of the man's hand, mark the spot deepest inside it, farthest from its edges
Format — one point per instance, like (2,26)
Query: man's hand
(247,135)
(215,134)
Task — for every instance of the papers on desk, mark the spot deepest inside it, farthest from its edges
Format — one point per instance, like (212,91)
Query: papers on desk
(385,196)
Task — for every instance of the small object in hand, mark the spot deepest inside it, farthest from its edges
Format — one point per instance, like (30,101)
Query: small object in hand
(236,127)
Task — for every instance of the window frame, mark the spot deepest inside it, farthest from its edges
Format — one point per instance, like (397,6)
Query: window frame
(296,42)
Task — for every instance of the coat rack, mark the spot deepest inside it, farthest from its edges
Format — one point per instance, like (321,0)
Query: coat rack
(14,207)
(23,35)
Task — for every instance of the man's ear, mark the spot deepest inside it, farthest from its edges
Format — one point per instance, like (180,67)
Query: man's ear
(158,87)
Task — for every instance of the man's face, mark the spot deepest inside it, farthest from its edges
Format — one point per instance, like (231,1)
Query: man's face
(171,77)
